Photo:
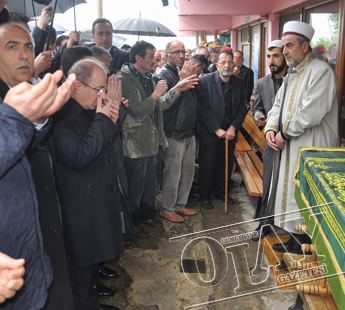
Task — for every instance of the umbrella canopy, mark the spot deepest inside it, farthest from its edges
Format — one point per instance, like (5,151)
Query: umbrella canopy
(142,27)
(59,28)
(25,6)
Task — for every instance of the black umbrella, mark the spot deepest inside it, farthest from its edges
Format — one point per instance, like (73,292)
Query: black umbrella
(142,27)
(26,6)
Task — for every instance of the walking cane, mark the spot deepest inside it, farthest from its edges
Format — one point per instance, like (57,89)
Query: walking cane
(226,175)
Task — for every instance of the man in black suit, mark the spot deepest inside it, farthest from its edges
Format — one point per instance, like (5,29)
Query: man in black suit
(247,75)
(265,93)
(226,98)
(102,34)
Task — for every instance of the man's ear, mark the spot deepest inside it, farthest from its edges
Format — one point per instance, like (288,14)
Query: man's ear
(77,87)
(137,58)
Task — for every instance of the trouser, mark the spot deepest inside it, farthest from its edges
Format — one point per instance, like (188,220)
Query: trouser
(87,299)
(144,177)
(212,165)
(178,174)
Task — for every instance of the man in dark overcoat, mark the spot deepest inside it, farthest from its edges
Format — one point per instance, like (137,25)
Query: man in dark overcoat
(84,132)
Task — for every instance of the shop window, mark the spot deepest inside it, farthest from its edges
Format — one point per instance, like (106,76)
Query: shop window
(255,48)
(324,19)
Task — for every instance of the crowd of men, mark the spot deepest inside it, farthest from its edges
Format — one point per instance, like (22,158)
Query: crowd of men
(85,151)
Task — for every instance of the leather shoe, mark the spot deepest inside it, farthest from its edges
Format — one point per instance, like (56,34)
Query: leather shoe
(172,217)
(107,273)
(292,246)
(153,223)
(282,265)
(260,232)
(222,198)
(187,211)
(126,242)
(192,198)
(141,232)
(107,307)
(206,204)
(103,290)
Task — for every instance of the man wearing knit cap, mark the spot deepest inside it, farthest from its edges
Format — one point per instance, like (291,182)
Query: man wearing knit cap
(305,113)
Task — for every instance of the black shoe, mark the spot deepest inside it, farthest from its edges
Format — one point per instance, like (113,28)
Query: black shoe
(192,198)
(103,290)
(292,246)
(107,307)
(153,223)
(141,232)
(206,204)
(222,198)
(107,273)
(260,232)
(282,265)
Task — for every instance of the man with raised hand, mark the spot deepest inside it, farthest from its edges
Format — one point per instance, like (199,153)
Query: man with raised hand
(29,118)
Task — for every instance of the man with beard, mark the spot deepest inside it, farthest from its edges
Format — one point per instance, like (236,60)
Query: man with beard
(226,98)
(305,113)
(265,93)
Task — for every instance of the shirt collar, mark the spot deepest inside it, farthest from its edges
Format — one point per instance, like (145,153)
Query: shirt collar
(138,74)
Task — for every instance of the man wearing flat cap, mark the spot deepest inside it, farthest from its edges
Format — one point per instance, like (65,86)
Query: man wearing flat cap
(305,113)
(320,52)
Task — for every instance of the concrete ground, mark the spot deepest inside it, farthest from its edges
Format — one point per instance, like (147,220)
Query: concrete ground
(151,277)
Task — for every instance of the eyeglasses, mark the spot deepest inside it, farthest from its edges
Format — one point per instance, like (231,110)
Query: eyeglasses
(100,90)
(230,62)
(178,52)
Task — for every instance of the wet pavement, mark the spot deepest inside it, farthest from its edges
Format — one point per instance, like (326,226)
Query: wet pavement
(236,273)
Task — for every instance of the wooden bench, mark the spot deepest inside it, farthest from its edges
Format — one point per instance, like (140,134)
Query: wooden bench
(249,164)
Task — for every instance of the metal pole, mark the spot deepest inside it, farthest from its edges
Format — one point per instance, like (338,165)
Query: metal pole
(100,8)
(75,17)
(51,26)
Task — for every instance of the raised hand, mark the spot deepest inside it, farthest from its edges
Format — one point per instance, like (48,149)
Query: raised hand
(187,70)
(108,107)
(186,83)
(42,62)
(161,88)
(38,102)
(114,88)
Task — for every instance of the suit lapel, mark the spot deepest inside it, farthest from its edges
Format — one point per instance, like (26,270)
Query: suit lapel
(270,89)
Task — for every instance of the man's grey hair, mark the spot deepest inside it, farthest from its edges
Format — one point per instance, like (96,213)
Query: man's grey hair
(100,52)
(167,48)
(301,40)
(198,49)
(83,69)
(20,26)
(212,50)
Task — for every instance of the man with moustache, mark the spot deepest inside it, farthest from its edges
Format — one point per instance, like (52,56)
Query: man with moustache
(265,93)
(226,98)
(143,134)
(16,66)
(305,113)
(180,122)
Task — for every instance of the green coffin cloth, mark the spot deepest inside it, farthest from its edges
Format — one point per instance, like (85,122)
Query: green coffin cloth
(320,184)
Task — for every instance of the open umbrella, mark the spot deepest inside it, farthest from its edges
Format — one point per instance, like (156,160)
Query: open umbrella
(142,27)
(26,6)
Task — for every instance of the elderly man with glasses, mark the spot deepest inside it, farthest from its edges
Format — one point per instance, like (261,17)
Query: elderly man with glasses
(84,132)
(226,98)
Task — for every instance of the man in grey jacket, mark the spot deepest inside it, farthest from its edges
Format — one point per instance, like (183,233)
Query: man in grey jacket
(264,99)
(143,134)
